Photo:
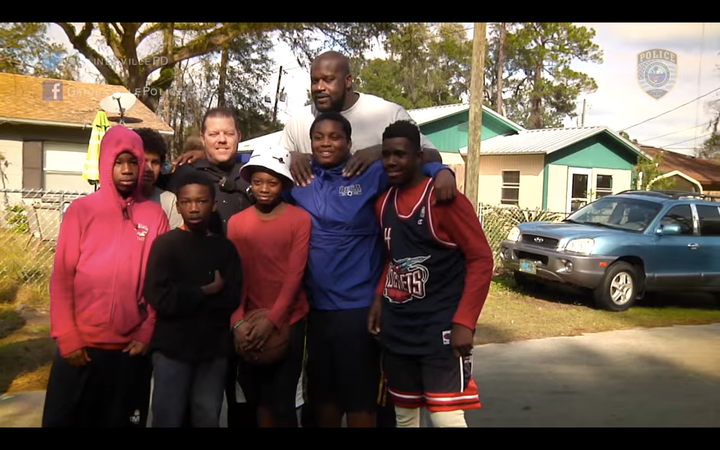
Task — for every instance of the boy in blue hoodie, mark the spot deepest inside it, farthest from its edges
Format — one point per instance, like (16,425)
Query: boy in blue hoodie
(344,266)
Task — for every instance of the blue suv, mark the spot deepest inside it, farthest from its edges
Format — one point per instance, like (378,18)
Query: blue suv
(623,246)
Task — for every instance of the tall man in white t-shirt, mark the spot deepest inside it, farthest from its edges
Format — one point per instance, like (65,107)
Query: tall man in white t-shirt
(331,87)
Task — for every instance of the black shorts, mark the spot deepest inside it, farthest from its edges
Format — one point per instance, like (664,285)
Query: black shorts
(275,385)
(440,382)
(343,365)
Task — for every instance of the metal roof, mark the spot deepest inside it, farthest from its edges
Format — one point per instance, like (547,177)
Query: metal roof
(421,116)
(544,141)
(426,115)
(251,144)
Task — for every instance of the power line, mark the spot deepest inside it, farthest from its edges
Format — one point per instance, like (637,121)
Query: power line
(669,111)
(687,140)
(675,132)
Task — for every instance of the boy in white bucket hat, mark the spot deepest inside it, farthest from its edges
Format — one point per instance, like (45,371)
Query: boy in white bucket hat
(273,239)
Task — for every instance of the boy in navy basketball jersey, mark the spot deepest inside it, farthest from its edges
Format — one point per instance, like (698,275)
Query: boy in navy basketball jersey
(432,291)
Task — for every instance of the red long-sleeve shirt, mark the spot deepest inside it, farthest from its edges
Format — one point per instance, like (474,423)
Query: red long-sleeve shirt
(455,222)
(274,256)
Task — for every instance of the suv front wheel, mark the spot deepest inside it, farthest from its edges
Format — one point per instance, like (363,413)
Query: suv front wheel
(619,287)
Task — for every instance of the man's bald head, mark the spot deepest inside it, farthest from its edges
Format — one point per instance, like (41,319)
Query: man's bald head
(330,81)
(336,59)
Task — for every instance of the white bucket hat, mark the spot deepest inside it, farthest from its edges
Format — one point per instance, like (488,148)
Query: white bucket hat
(272,158)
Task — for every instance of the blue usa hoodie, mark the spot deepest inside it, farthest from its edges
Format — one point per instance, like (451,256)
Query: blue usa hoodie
(346,255)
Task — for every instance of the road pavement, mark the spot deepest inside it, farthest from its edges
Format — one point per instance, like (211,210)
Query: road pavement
(661,377)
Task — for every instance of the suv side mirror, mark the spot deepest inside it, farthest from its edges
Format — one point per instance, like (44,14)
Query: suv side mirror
(670,229)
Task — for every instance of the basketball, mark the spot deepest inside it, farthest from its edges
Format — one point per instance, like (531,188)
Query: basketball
(275,347)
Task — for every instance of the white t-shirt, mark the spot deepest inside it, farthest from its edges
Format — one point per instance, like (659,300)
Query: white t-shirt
(369,117)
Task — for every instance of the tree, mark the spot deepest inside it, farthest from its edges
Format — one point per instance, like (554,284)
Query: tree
(26,50)
(649,168)
(124,66)
(236,81)
(428,65)
(710,148)
(537,56)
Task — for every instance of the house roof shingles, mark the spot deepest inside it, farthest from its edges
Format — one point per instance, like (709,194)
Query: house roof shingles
(22,99)
(703,171)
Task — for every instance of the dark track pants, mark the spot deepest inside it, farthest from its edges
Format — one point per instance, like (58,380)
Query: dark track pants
(103,393)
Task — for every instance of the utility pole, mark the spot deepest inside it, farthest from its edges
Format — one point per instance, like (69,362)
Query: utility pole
(582,118)
(500,64)
(477,87)
(277,94)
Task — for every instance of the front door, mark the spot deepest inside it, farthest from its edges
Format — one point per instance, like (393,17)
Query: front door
(578,188)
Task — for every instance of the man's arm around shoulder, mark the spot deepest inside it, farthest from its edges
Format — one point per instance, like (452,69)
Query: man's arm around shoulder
(172,184)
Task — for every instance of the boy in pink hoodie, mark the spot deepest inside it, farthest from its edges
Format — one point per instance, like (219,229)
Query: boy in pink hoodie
(97,313)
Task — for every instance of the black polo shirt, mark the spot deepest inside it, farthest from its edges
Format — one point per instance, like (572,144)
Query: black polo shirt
(234,195)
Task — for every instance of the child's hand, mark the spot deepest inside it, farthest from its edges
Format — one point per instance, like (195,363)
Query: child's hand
(241,333)
(374,316)
(216,286)
(78,358)
(136,348)
(461,339)
(259,334)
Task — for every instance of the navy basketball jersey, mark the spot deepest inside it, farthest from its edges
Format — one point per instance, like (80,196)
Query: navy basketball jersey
(425,280)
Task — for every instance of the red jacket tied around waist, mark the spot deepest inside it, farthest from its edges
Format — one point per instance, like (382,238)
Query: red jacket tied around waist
(103,245)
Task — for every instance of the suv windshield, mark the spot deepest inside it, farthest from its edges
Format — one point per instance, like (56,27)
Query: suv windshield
(618,213)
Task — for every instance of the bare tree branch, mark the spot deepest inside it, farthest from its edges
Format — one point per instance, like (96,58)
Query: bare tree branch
(80,43)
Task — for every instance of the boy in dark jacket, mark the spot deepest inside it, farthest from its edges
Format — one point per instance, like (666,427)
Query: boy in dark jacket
(193,282)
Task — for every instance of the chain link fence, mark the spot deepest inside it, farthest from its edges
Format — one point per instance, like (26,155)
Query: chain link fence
(29,226)
(497,221)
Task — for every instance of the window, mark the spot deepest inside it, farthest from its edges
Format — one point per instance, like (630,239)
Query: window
(709,220)
(603,186)
(680,215)
(510,194)
(625,214)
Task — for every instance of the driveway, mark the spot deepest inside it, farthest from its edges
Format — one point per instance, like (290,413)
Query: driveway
(662,377)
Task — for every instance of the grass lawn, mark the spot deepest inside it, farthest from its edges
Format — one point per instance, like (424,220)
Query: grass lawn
(26,349)
(511,314)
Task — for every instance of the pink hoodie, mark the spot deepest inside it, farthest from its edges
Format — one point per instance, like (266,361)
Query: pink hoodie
(97,280)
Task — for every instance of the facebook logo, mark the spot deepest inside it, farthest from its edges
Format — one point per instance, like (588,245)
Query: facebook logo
(52,91)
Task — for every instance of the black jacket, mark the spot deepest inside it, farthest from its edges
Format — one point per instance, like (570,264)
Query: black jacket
(234,195)
(191,326)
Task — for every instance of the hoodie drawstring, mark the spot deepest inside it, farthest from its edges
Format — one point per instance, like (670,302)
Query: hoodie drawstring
(127,215)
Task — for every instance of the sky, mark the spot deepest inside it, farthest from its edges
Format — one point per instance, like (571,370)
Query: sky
(619,103)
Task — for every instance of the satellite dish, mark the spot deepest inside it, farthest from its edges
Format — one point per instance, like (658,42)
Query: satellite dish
(118,103)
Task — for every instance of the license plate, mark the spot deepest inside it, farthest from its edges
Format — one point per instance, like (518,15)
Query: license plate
(528,266)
